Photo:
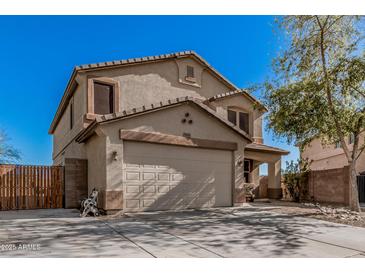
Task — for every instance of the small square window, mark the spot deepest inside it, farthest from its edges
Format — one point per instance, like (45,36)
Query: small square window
(190,72)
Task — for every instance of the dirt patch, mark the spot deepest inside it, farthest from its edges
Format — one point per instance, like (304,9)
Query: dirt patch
(302,210)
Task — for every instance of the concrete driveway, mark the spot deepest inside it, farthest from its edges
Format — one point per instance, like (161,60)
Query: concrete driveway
(230,232)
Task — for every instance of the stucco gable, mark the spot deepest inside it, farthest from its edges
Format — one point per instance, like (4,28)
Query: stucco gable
(238,92)
(179,123)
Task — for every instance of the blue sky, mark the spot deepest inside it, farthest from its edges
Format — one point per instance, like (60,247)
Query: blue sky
(38,53)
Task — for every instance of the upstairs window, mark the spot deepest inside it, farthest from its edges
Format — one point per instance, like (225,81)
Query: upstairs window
(190,72)
(232,117)
(241,117)
(103,98)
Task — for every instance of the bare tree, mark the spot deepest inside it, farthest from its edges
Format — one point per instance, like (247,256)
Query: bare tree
(8,154)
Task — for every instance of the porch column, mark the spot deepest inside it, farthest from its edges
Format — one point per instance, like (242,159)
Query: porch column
(274,184)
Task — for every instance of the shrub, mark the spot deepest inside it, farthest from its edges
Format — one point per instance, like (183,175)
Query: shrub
(296,179)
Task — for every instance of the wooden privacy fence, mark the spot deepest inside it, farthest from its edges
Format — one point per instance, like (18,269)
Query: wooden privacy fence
(31,187)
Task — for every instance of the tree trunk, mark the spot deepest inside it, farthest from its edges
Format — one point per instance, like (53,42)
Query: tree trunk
(354,196)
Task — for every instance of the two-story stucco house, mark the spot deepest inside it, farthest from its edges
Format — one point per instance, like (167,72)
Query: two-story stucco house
(162,132)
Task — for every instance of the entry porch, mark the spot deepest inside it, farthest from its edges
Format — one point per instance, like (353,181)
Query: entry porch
(258,154)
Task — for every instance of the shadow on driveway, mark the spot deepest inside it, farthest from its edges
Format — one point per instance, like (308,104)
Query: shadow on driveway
(225,232)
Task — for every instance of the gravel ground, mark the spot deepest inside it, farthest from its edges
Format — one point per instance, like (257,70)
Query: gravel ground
(299,209)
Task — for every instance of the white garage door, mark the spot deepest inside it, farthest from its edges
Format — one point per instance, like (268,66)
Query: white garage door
(164,177)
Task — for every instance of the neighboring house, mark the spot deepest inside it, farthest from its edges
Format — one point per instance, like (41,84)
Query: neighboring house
(329,156)
(160,132)
(328,179)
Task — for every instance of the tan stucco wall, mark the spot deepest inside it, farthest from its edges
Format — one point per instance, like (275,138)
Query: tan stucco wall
(328,157)
(241,102)
(154,82)
(96,156)
(169,121)
(63,135)
(141,84)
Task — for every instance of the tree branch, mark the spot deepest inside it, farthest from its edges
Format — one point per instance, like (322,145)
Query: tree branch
(356,141)
(329,93)
(359,91)
(335,21)
(360,152)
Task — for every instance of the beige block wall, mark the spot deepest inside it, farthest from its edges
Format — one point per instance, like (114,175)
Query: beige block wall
(76,187)
(329,186)
(169,122)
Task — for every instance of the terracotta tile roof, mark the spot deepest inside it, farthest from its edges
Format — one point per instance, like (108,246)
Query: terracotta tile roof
(236,92)
(265,148)
(153,107)
(105,65)
(146,59)
(226,94)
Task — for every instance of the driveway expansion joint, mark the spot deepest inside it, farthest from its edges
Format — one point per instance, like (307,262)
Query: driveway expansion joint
(128,239)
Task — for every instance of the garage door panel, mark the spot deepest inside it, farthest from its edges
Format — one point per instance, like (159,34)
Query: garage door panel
(148,176)
(163,189)
(164,177)
(132,189)
(184,153)
(166,160)
(132,176)
(132,203)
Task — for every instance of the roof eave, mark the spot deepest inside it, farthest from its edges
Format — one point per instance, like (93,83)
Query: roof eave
(281,152)
(240,92)
(62,105)
(87,132)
